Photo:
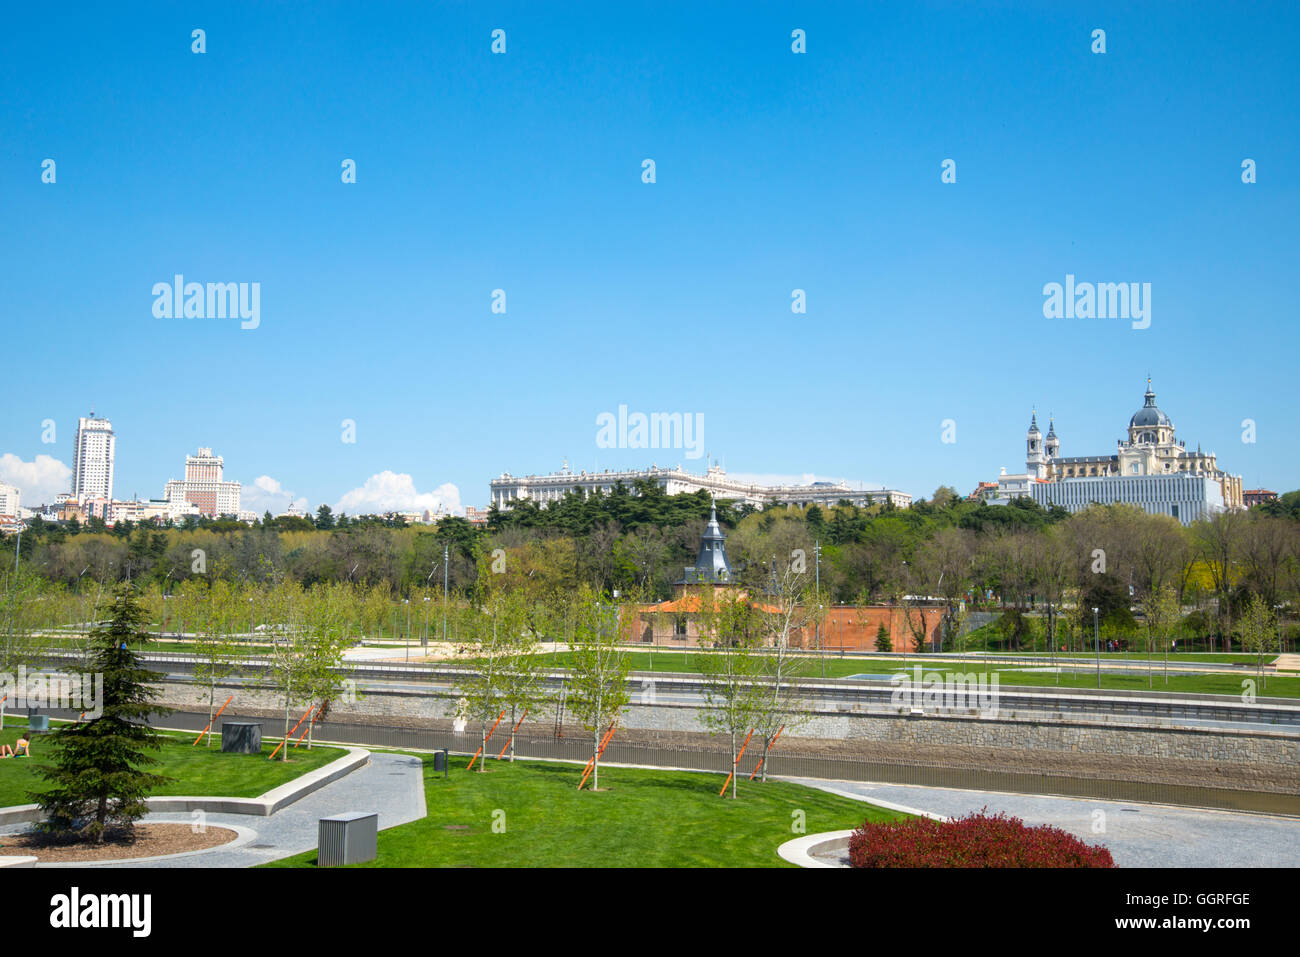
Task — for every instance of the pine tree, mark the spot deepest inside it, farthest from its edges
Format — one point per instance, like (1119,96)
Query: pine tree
(97,769)
(882,639)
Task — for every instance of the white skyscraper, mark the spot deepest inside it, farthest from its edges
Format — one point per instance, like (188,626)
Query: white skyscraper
(92,459)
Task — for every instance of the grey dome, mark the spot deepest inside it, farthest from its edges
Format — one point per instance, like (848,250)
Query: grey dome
(1149,415)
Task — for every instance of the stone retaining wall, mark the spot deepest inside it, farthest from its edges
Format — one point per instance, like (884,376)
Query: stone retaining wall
(1027,733)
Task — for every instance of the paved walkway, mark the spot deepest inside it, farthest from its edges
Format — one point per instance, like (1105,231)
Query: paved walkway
(1138,835)
(392,784)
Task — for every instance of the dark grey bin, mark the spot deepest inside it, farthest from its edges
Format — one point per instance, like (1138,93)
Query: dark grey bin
(38,722)
(241,737)
(348,839)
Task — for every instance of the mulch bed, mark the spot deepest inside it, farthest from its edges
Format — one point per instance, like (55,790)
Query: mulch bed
(151,840)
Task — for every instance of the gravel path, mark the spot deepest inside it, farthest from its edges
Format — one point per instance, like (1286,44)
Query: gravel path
(1138,835)
(392,784)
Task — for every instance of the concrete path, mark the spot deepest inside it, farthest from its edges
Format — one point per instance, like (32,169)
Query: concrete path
(1138,835)
(392,784)
(1287,662)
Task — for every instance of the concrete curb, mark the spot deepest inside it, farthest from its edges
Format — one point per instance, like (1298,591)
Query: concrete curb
(264,806)
(16,861)
(799,851)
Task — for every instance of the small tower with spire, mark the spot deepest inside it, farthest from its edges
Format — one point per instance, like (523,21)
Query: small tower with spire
(1035,458)
(1052,444)
(711,567)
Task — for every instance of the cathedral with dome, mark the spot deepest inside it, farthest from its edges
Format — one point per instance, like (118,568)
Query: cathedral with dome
(1151,451)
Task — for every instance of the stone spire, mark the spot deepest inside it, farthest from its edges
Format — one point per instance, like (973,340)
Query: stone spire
(711,567)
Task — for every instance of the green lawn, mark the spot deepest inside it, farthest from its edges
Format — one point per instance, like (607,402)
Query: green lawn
(1136,680)
(641,818)
(197,771)
(1282,686)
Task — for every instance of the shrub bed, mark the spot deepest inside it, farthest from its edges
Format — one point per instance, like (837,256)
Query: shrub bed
(977,840)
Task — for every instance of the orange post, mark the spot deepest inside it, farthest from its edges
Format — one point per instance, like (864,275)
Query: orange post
(769,747)
(735,763)
(488,738)
(599,750)
(291,731)
(213,721)
(512,734)
(310,724)
(591,765)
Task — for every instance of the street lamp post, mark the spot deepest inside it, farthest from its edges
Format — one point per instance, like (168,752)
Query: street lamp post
(406,641)
(817,572)
(1096,640)
(444,594)
(1051,638)
(81,611)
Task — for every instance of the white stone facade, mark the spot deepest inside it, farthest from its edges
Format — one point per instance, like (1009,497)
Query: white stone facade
(545,489)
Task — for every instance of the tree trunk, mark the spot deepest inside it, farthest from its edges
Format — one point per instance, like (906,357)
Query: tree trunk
(284,756)
(483,754)
(101,816)
(212,692)
(735,769)
(595,759)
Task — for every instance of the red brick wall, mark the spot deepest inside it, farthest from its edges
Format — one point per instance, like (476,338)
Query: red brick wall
(851,627)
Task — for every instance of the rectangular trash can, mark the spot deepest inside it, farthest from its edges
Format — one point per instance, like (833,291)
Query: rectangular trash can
(348,839)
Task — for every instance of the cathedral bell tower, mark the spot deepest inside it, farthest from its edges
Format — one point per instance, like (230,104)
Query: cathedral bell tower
(1035,457)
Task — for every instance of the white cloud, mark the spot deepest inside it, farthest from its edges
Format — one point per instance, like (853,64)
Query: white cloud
(265,494)
(389,492)
(37,481)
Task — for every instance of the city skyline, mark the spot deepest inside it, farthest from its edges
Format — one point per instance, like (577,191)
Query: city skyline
(398,492)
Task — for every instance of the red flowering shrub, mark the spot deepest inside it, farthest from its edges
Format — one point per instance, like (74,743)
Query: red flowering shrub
(977,840)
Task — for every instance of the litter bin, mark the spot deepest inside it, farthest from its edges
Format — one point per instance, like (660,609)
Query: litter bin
(38,722)
(347,839)
(241,737)
(440,761)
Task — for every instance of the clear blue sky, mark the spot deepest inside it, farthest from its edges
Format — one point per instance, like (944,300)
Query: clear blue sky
(522,171)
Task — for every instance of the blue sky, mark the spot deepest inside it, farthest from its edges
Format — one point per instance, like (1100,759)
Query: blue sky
(522,171)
